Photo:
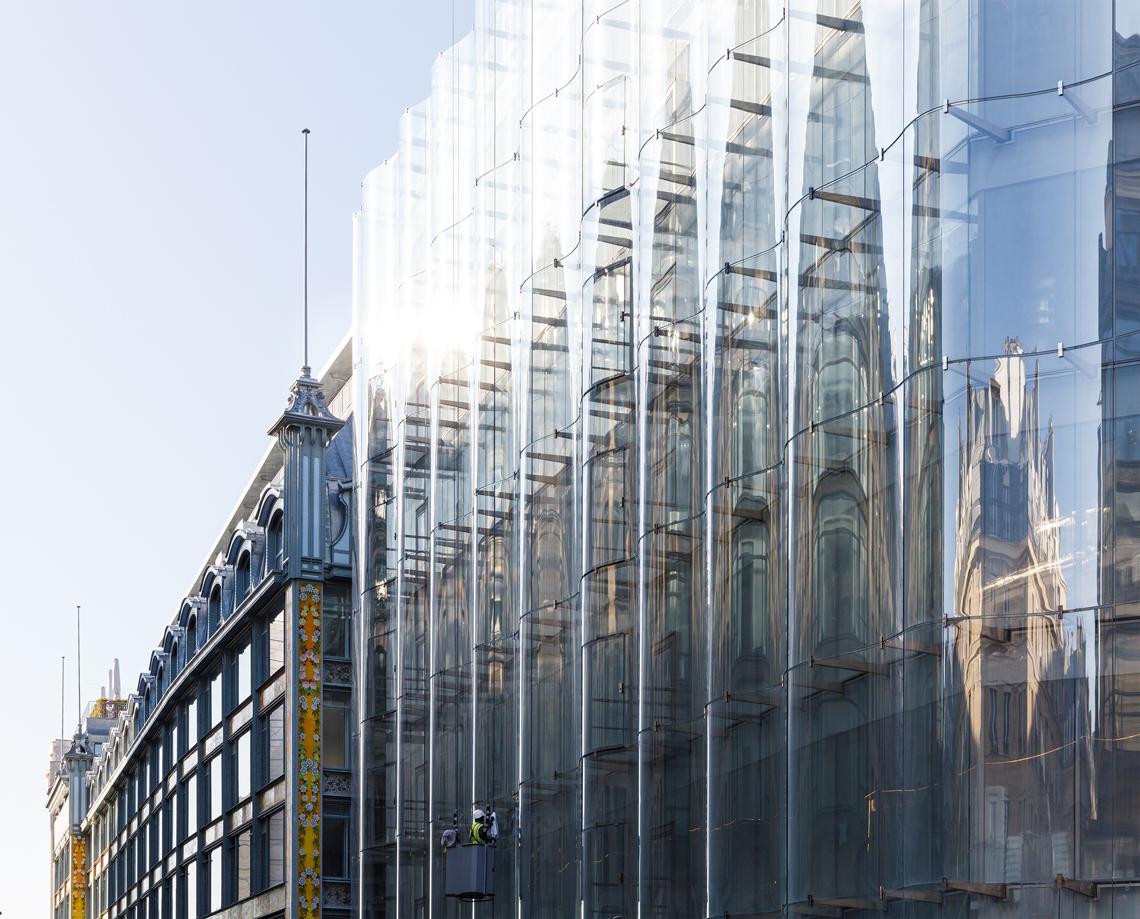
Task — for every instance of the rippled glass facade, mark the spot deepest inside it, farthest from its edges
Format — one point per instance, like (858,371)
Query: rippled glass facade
(748,418)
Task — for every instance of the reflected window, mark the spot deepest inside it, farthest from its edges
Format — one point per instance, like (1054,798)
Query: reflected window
(679,459)
(1126,484)
(842,388)
(750,603)
(1126,47)
(607,715)
(840,574)
(749,434)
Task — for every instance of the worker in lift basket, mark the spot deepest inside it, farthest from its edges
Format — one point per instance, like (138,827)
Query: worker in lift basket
(483,828)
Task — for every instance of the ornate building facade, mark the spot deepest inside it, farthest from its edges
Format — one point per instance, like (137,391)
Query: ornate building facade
(748,425)
(223,785)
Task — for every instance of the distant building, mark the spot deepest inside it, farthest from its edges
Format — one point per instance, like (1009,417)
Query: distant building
(71,759)
(221,785)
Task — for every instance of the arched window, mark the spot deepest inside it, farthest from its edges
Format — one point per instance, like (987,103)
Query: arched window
(160,685)
(750,608)
(242,578)
(840,581)
(275,544)
(191,637)
(214,609)
(174,660)
(146,705)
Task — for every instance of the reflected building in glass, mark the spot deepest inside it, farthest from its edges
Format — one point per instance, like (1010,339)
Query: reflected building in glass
(748,429)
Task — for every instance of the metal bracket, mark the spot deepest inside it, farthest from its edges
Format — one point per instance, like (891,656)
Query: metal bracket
(810,909)
(991,130)
(842,903)
(1090,889)
(993,891)
(1075,101)
(923,896)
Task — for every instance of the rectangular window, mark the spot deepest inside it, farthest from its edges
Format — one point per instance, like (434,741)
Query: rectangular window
(273,745)
(214,793)
(190,798)
(157,825)
(241,865)
(240,749)
(334,734)
(215,694)
(168,833)
(275,848)
(193,728)
(244,658)
(334,845)
(335,625)
(175,738)
(191,885)
(275,643)
(214,878)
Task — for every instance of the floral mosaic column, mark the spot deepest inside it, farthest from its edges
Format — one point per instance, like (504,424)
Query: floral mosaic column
(78,876)
(309,751)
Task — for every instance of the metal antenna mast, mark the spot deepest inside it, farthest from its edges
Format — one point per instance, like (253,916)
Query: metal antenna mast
(305,369)
(62,684)
(78,669)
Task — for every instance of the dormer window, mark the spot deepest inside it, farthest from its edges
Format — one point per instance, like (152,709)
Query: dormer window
(215,609)
(275,544)
(243,577)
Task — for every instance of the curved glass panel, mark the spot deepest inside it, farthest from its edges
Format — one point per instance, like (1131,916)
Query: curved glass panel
(749,450)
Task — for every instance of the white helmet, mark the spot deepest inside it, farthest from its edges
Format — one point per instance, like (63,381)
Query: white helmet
(479,815)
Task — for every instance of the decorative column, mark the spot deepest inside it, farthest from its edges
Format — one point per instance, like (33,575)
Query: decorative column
(78,760)
(79,869)
(304,431)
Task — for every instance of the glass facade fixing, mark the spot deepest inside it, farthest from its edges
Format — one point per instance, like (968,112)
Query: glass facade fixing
(748,430)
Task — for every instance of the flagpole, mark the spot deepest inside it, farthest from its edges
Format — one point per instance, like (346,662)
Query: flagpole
(305,132)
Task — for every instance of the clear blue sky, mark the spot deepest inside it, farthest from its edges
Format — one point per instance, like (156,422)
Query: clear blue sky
(150,283)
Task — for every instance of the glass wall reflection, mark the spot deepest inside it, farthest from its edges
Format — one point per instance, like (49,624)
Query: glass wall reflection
(750,459)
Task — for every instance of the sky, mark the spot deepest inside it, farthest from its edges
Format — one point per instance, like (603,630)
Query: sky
(150,308)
